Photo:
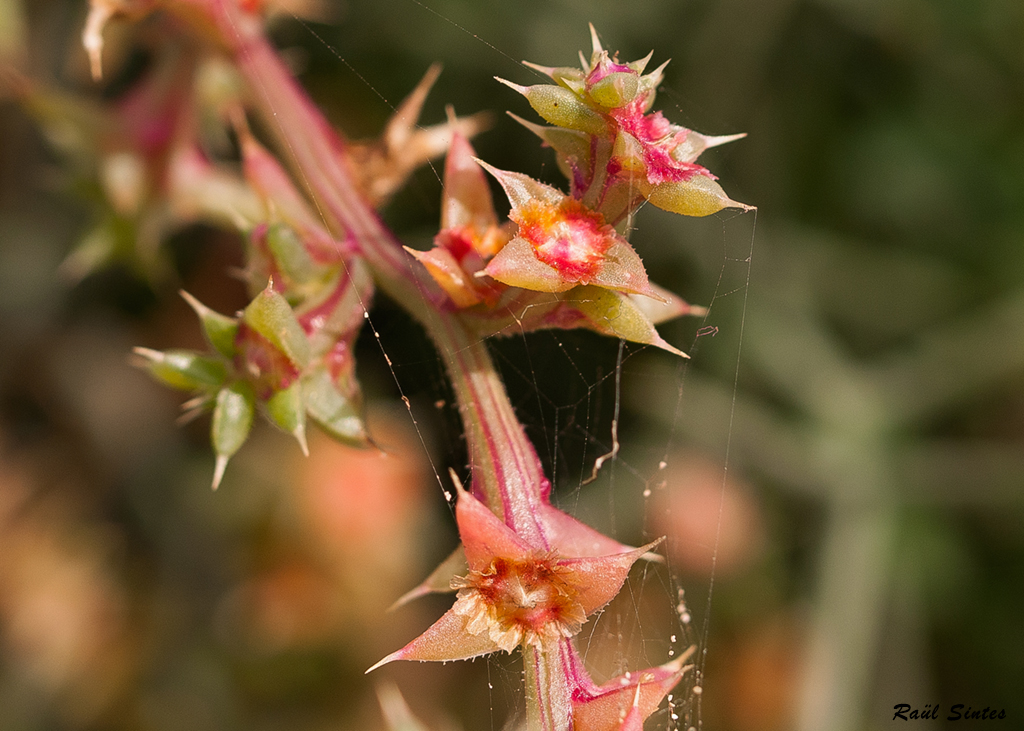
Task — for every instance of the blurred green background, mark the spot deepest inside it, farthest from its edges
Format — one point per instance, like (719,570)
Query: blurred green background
(861,368)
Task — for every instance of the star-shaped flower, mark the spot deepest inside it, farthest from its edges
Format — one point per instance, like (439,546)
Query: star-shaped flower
(518,594)
(536,598)
(561,243)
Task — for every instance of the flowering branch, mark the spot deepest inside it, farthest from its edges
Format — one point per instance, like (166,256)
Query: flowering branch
(533,575)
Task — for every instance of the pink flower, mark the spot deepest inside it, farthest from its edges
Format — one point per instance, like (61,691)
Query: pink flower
(516,593)
(562,244)
(536,598)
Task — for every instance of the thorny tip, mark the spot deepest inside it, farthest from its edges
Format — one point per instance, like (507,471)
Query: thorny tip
(717,140)
(517,87)
(546,70)
(402,124)
(218,470)
(595,40)
(641,64)
(92,36)
(100,13)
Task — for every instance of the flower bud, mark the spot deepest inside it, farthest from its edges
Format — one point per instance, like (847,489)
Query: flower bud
(648,86)
(696,196)
(566,75)
(617,89)
(270,316)
(613,313)
(220,330)
(332,409)
(290,255)
(695,143)
(183,369)
(232,420)
(629,153)
(561,107)
(288,411)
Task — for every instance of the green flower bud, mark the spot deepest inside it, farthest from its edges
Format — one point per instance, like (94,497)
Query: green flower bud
(570,144)
(615,90)
(232,420)
(271,316)
(219,329)
(566,76)
(290,254)
(334,411)
(614,313)
(184,369)
(561,107)
(629,153)
(287,410)
(697,196)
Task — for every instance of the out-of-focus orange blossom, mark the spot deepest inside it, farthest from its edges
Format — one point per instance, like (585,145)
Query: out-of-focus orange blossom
(710,518)
(359,521)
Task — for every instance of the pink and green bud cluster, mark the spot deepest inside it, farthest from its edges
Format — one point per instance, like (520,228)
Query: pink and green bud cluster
(290,362)
(615,152)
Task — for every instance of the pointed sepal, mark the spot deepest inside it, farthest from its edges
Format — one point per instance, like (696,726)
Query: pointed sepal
(695,143)
(447,639)
(698,195)
(466,201)
(270,315)
(601,577)
(220,330)
(666,306)
(572,146)
(282,199)
(445,269)
(183,369)
(439,580)
(619,315)
(382,166)
(333,410)
(469,231)
(287,410)
(607,707)
(573,539)
(483,535)
(233,413)
(561,107)
(617,89)
(291,256)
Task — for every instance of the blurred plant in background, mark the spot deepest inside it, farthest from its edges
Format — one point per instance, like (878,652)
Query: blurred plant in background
(869,540)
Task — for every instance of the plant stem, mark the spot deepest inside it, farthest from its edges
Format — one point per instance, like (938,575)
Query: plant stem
(506,470)
(317,154)
(548,703)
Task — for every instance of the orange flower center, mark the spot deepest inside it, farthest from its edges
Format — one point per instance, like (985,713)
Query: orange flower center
(515,601)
